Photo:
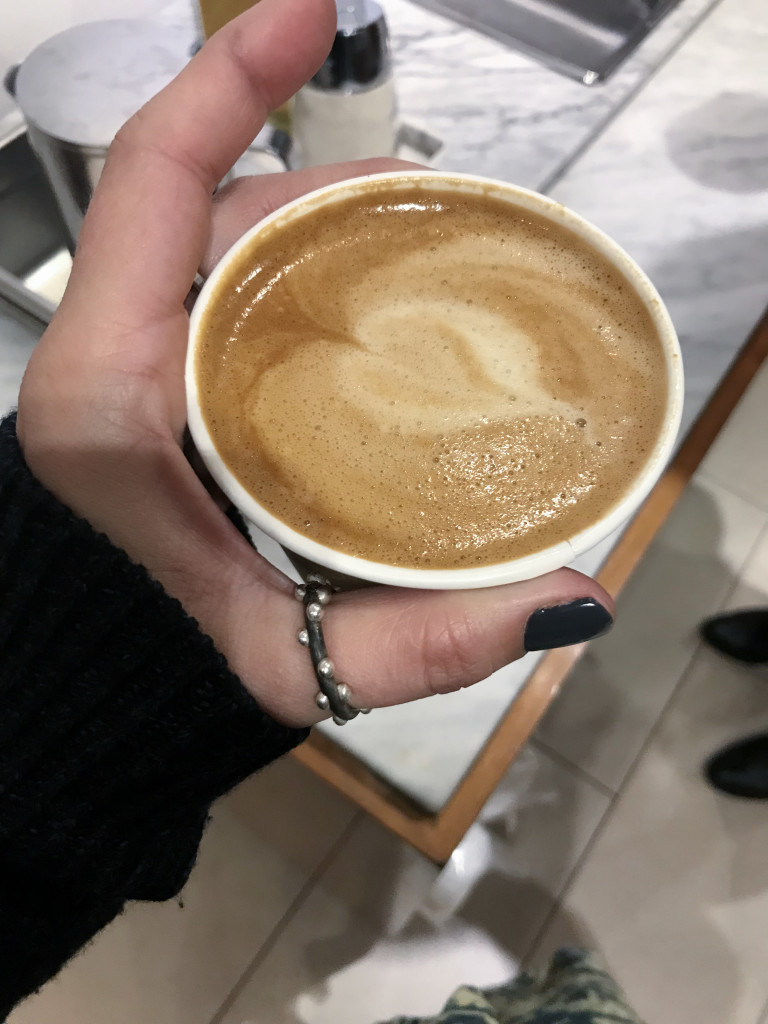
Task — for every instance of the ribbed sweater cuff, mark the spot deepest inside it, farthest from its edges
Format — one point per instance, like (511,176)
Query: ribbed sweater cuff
(120,722)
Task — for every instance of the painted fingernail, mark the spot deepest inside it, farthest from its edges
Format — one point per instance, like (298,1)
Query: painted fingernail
(566,624)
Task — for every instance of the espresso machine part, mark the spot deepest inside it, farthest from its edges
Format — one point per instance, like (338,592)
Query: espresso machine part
(348,110)
(77,89)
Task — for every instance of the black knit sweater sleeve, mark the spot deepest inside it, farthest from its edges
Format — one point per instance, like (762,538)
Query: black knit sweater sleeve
(120,723)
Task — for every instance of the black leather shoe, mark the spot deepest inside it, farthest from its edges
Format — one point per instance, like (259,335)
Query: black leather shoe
(742,635)
(741,768)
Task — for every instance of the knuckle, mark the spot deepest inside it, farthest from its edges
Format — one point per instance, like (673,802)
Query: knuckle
(449,646)
(236,44)
(128,136)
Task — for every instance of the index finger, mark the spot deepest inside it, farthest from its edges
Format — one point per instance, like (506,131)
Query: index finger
(148,223)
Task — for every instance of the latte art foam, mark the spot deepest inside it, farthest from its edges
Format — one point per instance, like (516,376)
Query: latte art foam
(429,379)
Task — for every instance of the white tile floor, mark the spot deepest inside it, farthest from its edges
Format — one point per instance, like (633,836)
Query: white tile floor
(298,912)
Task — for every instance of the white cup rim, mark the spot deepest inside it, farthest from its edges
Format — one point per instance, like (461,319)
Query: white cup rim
(527,566)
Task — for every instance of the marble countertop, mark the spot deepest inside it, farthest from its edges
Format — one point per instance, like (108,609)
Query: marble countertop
(669,156)
(501,114)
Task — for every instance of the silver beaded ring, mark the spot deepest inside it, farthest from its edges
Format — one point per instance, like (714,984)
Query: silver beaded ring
(335,697)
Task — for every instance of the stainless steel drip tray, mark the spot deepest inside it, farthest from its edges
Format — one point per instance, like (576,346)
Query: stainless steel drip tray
(585,39)
(34,258)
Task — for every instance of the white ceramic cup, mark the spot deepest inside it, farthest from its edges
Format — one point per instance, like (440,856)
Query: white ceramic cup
(522,568)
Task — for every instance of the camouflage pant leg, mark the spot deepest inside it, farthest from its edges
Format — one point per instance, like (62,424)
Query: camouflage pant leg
(573,990)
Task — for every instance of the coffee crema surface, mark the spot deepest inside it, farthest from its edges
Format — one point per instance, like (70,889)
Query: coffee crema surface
(430,379)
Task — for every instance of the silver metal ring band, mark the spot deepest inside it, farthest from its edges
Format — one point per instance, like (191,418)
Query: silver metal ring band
(333,696)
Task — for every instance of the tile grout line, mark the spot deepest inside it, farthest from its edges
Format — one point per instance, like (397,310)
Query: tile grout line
(295,906)
(712,479)
(604,821)
(572,767)
(525,960)
(632,770)
(763,532)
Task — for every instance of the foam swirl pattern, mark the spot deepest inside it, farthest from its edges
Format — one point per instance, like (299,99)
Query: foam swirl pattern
(430,380)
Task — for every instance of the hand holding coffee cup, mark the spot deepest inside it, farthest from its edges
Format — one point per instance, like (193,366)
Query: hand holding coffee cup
(102,412)
(432,380)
